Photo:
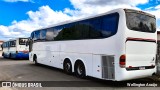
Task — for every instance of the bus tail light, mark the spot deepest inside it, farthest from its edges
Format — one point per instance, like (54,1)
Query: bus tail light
(122,61)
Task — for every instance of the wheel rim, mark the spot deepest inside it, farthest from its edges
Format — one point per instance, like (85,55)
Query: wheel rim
(67,67)
(80,69)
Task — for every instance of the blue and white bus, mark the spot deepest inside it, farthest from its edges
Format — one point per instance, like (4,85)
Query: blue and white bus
(15,49)
(117,45)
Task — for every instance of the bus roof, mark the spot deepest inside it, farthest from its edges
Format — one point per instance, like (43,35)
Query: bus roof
(138,11)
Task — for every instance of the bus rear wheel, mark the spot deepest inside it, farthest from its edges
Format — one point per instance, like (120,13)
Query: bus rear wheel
(80,70)
(67,66)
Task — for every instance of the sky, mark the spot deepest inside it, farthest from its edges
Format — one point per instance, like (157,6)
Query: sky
(18,18)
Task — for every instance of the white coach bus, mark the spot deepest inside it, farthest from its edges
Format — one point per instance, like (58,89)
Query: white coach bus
(16,49)
(117,45)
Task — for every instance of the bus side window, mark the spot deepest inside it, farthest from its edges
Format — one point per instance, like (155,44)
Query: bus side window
(13,43)
(37,35)
(43,35)
(50,34)
(110,25)
(4,45)
(32,35)
(7,44)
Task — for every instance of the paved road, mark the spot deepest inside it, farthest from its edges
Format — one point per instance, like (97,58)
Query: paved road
(24,70)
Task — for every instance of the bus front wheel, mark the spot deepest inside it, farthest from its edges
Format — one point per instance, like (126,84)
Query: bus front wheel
(35,60)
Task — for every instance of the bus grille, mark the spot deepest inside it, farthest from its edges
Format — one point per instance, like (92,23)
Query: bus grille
(108,67)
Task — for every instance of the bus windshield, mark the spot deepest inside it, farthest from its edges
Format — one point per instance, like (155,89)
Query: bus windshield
(140,21)
(23,41)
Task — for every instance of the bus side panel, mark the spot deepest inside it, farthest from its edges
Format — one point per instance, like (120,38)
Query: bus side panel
(12,50)
(96,68)
(41,57)
(55,60)
(5,52)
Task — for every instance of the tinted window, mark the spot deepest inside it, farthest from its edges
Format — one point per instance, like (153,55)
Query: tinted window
(37,35)
(43,34)
(4,45)
(23,41)
(12,43)
(50,34)
(109,26)
(8,44)
(94,28)
(32,35)
(140,22)
(99,27)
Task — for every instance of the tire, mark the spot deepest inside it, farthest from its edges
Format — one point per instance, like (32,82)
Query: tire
(80,70)
(35,60)
(67,67)
(10,56)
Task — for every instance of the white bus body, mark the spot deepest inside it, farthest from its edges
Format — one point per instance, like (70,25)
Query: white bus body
(125,54)
(16,49)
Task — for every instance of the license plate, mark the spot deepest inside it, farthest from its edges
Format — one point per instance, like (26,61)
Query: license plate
(141,68)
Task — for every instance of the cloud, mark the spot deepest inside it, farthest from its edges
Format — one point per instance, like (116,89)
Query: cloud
(44,17)
(157,7)
(92,7)
(155,11)
(114,2)
(18,0)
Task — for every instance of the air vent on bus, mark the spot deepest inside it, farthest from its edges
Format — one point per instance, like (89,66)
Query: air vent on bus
(108,70)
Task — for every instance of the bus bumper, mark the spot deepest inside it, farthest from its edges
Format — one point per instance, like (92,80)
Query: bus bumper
(21,55)
(135,74)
